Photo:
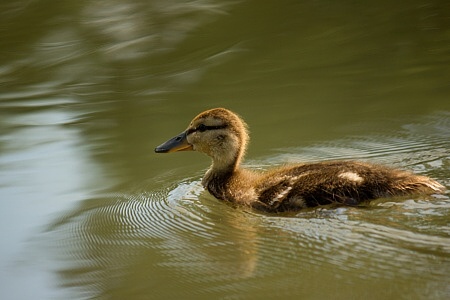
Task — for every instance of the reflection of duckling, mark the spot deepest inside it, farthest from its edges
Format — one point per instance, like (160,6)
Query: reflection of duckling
(223,136)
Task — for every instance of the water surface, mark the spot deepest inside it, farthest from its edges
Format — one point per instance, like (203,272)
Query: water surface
(88,89)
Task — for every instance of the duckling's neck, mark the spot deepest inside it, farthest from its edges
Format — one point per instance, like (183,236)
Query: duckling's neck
(222,168)
(226,161)
(228,158)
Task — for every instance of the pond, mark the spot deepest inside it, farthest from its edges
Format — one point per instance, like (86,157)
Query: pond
(89,88)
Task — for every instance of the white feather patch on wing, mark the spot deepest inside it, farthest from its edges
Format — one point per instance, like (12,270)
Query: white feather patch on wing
(283,193)
(352,176)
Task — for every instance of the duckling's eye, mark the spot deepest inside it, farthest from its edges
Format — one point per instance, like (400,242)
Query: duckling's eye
(202,128)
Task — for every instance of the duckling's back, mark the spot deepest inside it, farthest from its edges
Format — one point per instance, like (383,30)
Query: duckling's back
(342,182)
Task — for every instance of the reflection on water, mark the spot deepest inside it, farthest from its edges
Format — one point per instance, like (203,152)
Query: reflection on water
(88,88)
(40,164)
(133,29)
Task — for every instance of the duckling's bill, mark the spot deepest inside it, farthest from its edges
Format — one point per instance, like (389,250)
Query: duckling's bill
(177,143)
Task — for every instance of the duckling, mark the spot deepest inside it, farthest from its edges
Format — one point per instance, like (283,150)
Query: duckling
(223,135)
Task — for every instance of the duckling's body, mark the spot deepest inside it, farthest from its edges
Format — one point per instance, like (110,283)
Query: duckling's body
(223,136)
(307,185)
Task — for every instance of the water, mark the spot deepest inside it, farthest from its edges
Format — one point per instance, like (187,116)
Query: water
(88,89)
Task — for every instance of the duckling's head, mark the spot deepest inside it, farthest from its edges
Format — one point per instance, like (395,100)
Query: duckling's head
(218,132)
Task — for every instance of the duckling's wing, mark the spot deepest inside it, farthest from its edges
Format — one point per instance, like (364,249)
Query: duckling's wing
(273,191)
(308,185)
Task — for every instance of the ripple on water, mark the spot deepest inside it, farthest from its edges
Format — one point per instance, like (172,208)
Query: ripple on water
(116,233)
(182,235)
(422,146)
(372,242)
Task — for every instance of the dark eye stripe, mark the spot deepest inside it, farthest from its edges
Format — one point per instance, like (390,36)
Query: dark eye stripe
(203,128)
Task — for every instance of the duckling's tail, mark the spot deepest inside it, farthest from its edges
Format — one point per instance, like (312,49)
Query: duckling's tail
(421,185)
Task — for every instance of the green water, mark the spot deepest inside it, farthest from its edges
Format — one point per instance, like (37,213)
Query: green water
(89,88)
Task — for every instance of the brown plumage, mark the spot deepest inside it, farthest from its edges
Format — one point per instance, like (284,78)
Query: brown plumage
(222,135)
